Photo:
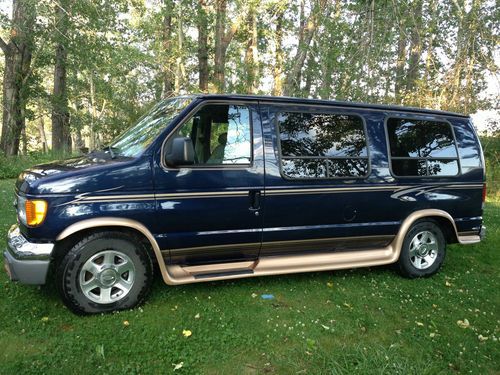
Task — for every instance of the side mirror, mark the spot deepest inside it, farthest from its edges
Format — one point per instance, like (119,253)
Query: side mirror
(181,152)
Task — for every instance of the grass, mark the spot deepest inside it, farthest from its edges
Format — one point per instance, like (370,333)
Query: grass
(366,321)
(12,166)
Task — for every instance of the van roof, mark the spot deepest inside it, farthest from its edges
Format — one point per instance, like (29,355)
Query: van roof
(287,99)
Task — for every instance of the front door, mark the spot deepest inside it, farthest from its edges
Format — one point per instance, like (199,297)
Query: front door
(210,212)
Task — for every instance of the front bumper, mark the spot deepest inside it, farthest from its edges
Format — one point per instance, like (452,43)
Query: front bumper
(24,261)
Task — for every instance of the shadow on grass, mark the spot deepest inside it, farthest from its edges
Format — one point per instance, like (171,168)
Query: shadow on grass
(160,290)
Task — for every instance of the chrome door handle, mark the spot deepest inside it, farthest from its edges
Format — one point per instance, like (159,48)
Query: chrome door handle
(254,196)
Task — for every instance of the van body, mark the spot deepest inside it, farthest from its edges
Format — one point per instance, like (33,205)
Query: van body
(213,187)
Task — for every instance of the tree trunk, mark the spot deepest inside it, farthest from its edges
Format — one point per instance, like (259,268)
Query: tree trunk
(368,48)
(278,55)
(92,112)
(180,71)
(17,54)
(168,75)
(61,135)
(222,39)
(415,49)
(251,55)
(220,52)
(400,67)
(41,132)
(202,24)
(432,31)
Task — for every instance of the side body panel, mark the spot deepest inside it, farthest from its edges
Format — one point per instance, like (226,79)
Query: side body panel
(356,214)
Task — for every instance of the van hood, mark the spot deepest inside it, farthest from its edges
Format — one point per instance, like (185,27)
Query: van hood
(90,172)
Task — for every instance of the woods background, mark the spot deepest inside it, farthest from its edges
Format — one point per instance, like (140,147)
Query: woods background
(78,72)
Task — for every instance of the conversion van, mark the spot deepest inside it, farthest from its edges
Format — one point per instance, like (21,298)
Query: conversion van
(217,187)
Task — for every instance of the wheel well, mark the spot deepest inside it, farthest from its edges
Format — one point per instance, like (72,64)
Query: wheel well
(446,226)
(63,246)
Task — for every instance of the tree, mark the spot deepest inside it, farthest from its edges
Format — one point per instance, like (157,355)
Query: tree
(413,73)
(168,73)
(17,54)
(278,53)
(307,30)
(222,39)
(202,25)
(251,53)
(61,135)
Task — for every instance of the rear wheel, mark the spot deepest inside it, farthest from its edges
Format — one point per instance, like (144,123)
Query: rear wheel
(103,272)
(423,250)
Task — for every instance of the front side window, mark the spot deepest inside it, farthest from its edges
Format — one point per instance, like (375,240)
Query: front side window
(221,135)
(422,148)
(322,145)
(138,137)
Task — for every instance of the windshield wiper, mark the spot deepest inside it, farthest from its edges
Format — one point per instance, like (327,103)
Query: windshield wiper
(111,152)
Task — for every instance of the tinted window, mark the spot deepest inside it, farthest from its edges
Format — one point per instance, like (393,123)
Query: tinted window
(319,145)
(221,134)
(411,138)
(422,148)
(311,134)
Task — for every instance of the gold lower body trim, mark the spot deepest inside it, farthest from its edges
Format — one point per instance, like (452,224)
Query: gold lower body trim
(278,265)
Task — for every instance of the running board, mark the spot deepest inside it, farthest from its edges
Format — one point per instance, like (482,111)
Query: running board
(278,265)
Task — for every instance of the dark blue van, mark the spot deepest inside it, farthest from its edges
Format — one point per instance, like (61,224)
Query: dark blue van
(213,187)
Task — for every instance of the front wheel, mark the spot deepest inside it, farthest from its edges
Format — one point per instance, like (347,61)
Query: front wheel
(103,272)
(423,250)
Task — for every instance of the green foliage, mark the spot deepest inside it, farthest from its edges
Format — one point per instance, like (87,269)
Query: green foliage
(11,167)
(365,321)
(122,54)
(491,149)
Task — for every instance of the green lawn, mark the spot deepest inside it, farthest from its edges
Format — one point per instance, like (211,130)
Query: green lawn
(365,320)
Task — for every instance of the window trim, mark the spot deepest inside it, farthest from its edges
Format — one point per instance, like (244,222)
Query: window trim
(415,118)
(207,167)
(325,111)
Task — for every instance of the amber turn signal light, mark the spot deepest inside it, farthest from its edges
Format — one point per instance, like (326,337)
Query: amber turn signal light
(35,212)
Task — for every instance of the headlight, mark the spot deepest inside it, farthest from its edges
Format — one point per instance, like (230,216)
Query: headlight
(31,212)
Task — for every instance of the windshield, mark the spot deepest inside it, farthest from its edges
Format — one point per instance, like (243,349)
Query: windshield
(136,138)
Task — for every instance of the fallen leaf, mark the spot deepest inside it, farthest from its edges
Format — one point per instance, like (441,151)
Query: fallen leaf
(329,285)
(325,327)
(126,323)
(197,316)
(432,334)
(187,332)
(178,366)
(420,324)
(463,323)
(482,338)
(447,283)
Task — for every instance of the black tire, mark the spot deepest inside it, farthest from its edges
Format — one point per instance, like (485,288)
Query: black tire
(68,273)
(408,262)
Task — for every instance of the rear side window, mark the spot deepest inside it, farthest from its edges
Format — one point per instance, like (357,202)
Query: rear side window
(422,148)
(322,145)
